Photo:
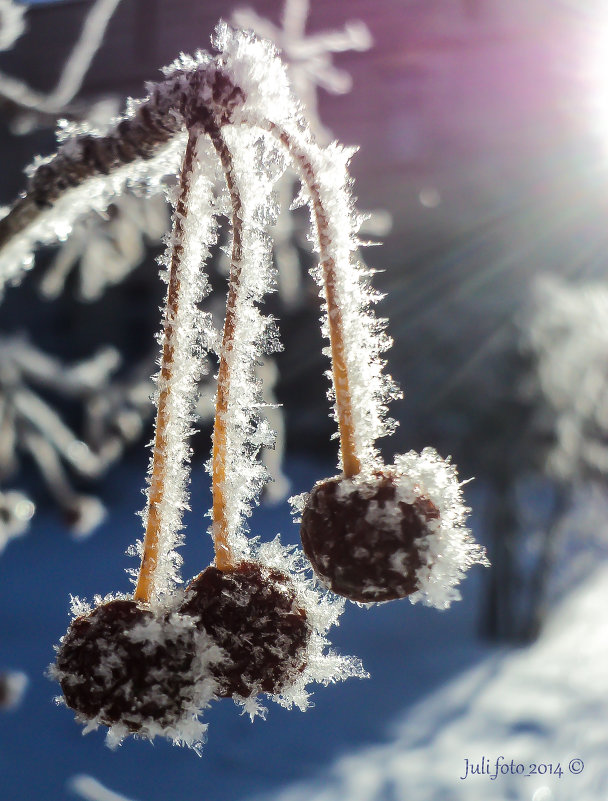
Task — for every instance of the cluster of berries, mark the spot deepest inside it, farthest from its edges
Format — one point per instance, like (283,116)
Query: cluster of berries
(374,533)
(236,633)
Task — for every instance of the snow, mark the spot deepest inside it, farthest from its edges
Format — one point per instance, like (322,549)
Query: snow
(546,704)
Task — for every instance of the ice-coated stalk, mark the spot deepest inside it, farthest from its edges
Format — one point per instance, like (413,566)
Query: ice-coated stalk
(223,552)
(149,562)
(351,464)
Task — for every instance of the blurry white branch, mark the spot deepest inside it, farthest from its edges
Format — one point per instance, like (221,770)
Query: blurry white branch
(91,790)
(308,56)
(41,105)
(28,424)
(12,688)
(567,335)
(12,24)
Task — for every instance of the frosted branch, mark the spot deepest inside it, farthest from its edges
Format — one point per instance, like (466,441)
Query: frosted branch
(89,169)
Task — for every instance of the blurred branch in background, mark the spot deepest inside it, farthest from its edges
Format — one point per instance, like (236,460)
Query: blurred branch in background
(29,108)
(106,246)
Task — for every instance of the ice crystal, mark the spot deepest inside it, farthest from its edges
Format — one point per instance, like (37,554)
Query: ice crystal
(449,549)
(365,340)
(257,165)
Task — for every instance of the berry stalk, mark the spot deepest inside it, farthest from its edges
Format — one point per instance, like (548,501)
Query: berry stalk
(160,456)
(351,463)
(223,553)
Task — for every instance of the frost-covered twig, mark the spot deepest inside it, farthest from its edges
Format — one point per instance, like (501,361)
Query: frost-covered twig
(89,169)
(12,689)
(566,333)
(16,511)
(107,246)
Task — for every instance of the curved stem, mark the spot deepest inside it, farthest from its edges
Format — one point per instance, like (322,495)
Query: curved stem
(351,464)
(144,588)
(223,552)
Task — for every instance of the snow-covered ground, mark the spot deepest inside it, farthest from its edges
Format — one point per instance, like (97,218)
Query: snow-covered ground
(542,706)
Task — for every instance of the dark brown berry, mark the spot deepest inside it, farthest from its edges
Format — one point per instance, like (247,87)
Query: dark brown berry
(252,613)
(120,664)
(361,540)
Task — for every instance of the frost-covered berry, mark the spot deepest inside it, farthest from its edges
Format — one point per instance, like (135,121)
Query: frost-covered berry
(122,665)
(251,612)
(395,532)
(362,540)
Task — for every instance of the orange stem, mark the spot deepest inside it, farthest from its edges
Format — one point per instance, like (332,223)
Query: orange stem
(351,464)
(145,581)
(224,559)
